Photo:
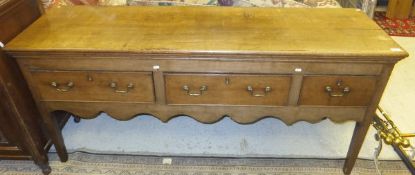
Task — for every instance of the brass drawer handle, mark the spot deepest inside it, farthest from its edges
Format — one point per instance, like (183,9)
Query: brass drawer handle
(338,91)
(192,93)
(263,93)
(114,86)
(62,88)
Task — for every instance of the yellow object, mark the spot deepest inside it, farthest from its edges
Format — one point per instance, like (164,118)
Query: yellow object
(389,132)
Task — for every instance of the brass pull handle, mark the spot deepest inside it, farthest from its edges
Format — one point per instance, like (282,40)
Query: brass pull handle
(62,88)
(114,86)
(263,93)
(192,93)
(339,91)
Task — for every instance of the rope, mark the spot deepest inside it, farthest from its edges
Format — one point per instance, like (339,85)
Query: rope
(377,152)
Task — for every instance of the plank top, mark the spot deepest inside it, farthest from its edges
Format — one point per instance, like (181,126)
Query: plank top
(273,31)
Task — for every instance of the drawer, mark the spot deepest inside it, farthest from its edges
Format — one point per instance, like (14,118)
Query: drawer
(94,86)
(227,89)
(337,90)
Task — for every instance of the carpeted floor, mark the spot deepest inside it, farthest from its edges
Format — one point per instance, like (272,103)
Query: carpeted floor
(395,27)
(94,164)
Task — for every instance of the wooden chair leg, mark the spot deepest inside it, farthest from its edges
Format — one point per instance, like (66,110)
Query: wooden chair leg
(358,137)
(56,135)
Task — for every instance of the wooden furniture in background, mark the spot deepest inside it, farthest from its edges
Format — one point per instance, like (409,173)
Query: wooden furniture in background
(400,9)
(21,134)
(413,11)
(245,63)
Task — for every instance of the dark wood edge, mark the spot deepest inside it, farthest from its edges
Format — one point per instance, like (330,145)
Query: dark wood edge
(8,6)
(13,152)
(40,6)
(15,157)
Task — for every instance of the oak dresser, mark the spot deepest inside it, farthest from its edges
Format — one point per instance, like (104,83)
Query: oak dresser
(207,63)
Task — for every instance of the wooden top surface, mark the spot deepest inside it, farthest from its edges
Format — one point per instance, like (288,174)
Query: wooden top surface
(213,30)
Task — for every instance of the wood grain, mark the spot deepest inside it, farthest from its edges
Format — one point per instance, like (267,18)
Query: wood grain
(200,64)
(227,89)
(211,113)
(289,31)
(95,86)
(400,9)
(361,90)
(15,16)
(413,11)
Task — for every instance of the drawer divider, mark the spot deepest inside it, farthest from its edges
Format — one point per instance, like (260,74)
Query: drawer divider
(159,88)
(296,83)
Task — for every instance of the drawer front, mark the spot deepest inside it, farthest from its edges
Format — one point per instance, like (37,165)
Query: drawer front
(94,86)
(337,90)
(227,89)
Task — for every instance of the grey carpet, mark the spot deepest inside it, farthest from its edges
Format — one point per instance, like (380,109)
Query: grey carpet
(97,164)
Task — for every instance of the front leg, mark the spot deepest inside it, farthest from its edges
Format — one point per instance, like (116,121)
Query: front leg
(362,127)
(46,170)
(358,137)
(42,162)
(55,134)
